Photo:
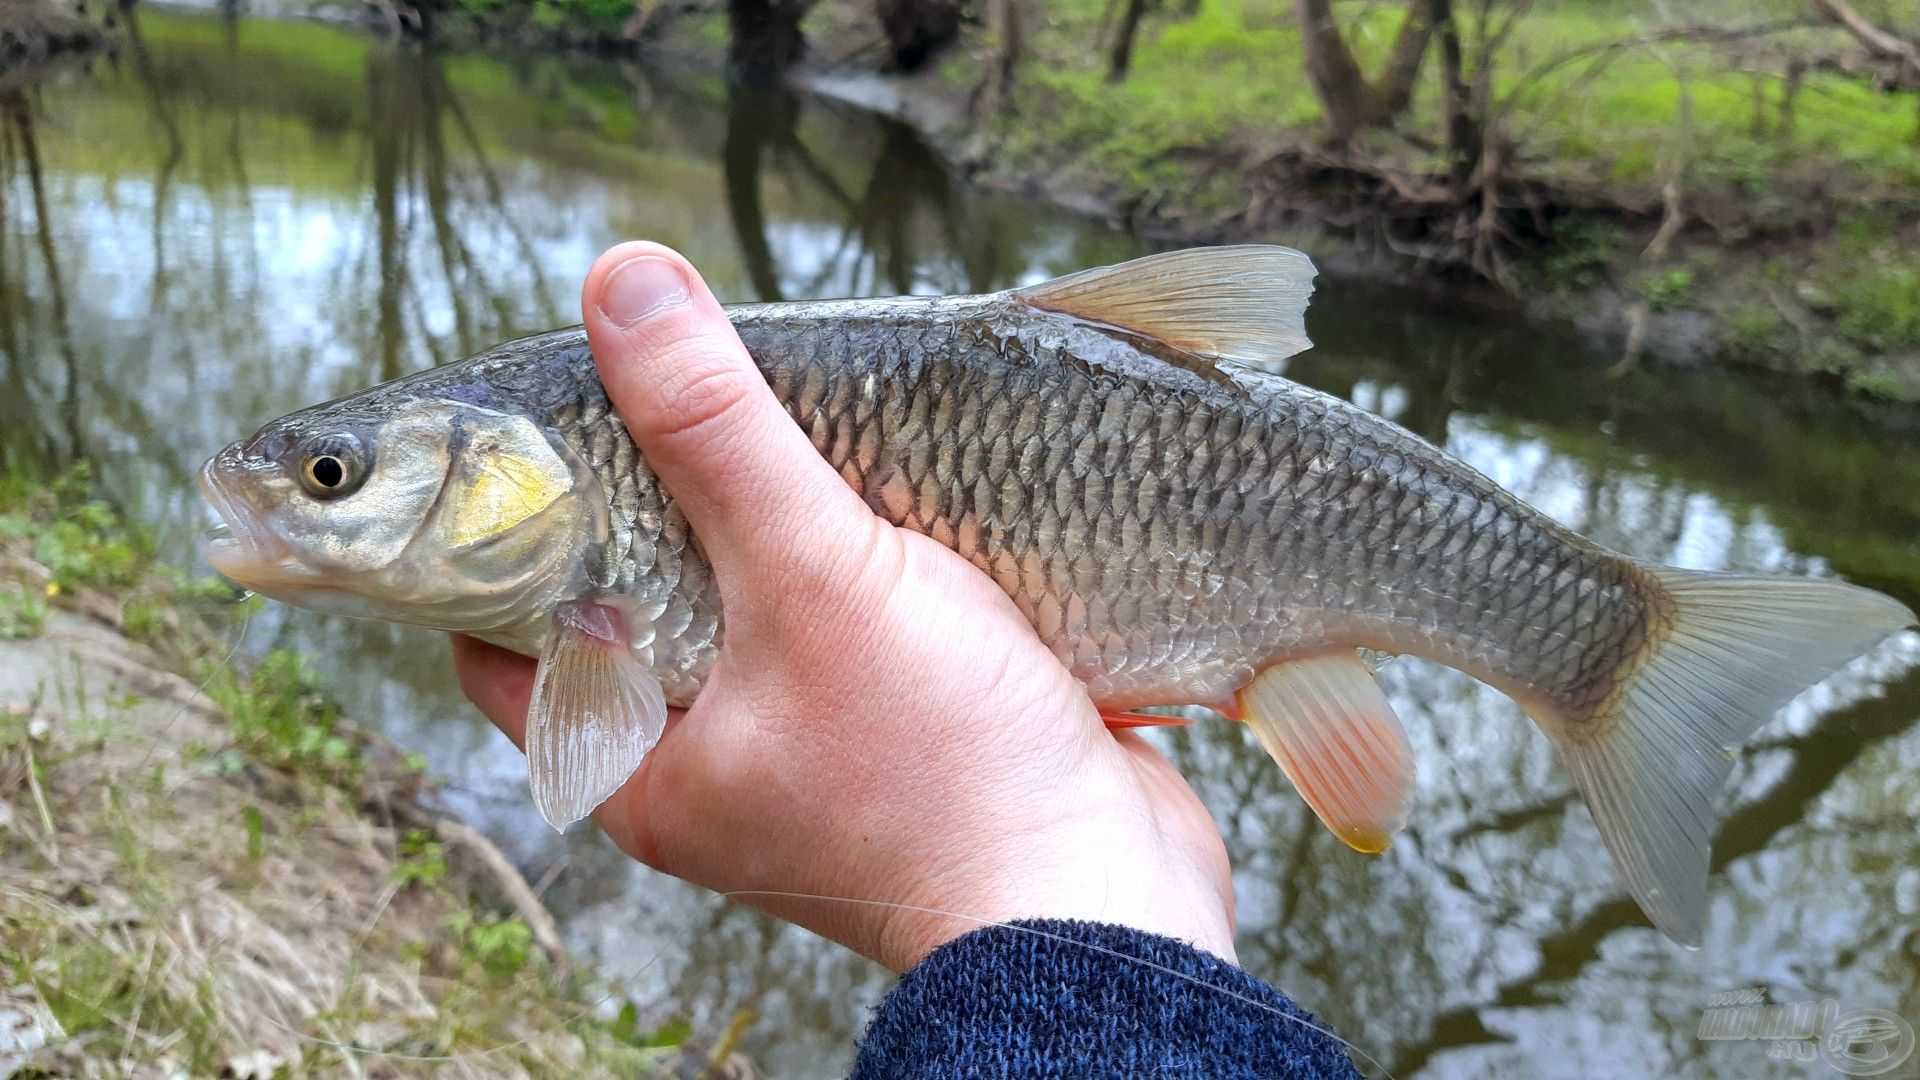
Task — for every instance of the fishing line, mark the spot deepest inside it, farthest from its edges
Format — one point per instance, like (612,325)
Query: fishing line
(239,638)
(1163,969)
(395,1055)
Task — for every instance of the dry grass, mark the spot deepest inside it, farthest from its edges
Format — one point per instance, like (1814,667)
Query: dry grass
(165,911)
(188,890)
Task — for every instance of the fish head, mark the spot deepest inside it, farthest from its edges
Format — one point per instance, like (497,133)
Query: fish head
(437,513)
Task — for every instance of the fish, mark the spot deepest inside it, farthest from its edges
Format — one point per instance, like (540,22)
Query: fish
(1119,451)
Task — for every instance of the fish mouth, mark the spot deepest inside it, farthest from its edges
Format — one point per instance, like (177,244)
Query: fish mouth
(242,548)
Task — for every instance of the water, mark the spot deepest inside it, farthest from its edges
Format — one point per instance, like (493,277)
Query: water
(233,219)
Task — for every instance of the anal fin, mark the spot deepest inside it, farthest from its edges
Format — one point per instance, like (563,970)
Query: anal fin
(1330,728)
(596,711)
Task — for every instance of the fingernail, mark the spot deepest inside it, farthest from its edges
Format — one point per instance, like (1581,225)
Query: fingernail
(641,288)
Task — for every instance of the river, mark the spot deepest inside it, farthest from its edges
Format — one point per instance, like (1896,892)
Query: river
(236,217)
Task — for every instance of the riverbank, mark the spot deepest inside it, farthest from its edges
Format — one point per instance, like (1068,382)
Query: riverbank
(205,870)
(34,33)
(1688,196)
(1742,192)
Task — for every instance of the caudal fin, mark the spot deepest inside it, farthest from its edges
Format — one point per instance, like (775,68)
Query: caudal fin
(1733,649)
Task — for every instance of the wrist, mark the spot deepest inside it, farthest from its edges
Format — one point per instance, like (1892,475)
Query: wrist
(1164,892)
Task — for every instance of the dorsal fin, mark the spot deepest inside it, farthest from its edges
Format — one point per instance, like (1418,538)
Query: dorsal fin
(1247,303)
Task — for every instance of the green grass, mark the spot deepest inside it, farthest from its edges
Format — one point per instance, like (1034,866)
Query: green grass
(23,611)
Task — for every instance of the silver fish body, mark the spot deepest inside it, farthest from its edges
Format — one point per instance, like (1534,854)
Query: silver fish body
(1179,524)
(1168,533)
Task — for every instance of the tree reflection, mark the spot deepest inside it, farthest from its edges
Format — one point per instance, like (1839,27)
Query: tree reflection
(906,224)
(20,158)
(444,236)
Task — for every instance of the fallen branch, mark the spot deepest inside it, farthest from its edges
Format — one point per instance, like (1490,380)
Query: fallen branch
(513,886)
(1882,43)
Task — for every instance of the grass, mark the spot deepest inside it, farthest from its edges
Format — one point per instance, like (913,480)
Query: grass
(196,885)
(1848,308)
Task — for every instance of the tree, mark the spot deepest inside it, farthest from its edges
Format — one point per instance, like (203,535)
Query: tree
(765,36)
(1883,44)
(917,29)
(1463,126)
(1004,21)
(1350,101)
(1121,55)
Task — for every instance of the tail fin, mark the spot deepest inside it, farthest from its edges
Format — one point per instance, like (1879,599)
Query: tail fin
(1733,650)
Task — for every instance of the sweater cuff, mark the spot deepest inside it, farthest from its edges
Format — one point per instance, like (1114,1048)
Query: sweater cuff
(1048,998)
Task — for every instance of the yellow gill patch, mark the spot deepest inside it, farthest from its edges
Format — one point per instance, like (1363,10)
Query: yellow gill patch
(506,477)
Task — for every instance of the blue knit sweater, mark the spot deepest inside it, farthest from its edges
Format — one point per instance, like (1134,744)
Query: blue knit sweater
(1074,1000)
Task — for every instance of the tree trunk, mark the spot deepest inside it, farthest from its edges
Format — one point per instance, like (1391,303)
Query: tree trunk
(1004,19)
(1348,99)
(1121,57)
(1331,69)
(1463,128)
(917,29)
(1390,96)
(766,38)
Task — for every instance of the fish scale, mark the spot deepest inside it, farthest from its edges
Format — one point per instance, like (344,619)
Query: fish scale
(1126,513)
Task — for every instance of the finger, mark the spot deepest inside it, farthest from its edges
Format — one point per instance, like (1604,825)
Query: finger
(748,479)
(498,681)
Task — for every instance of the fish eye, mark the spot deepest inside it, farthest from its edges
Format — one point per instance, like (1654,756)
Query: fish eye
(331,467)
(326,471)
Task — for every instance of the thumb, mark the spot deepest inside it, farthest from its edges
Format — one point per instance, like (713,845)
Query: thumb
(750,482)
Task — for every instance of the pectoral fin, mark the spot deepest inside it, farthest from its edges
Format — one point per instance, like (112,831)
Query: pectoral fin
(1332,731)
(596,712)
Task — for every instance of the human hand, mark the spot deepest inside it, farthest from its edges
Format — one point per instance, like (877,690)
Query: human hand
(882,724)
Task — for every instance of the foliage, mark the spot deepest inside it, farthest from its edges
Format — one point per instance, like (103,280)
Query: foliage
(422,861)
(81,541)
(1873,285)
(1580,255)
(589,17)
(1668,289)
(500,947)
(281,719)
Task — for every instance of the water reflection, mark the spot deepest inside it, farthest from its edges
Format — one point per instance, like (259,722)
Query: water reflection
(235,218)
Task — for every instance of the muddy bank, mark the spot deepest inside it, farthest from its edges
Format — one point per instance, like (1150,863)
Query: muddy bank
(219,875)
